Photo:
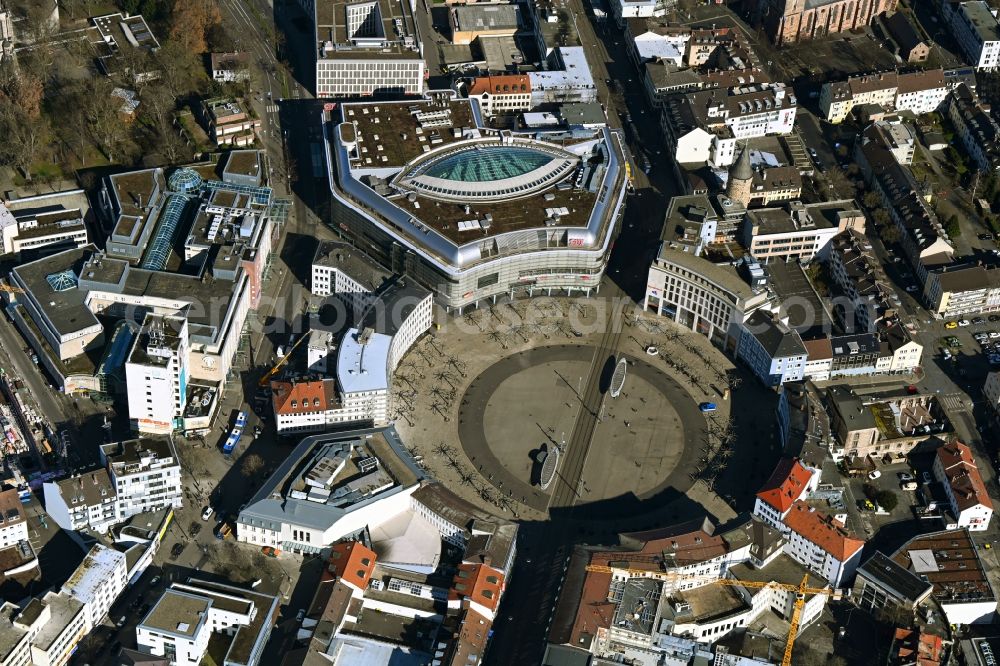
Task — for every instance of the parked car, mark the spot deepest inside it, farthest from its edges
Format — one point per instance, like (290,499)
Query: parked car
(978,321)
(985,236)
(950,325)
(994,318)
(300,615)
(908,485)
(964,322)
(994,335)
(120,622)
(708,407)
(155,581)
(926,476)
(874,474)
(206,513)
(176,551)
(905,476)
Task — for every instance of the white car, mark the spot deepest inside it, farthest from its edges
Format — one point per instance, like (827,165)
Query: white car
(874,474)
(981,336)
(964,322)
(994,334)
(207,513)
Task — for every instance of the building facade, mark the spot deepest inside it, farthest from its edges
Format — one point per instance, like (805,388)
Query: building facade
(974,26)
(955,469)
(156,375)
(146,474)
(97,582)
(791,21)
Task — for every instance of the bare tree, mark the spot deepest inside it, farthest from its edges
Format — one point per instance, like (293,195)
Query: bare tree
(251,465)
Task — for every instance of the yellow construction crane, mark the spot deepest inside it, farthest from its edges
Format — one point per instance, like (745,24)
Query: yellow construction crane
(801,590)
(277,366)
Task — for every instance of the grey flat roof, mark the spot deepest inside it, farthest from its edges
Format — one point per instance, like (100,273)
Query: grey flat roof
(352,261)
(883,571)
(177,612)
(271,506)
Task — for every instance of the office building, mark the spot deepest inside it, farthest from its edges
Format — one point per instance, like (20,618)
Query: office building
(146,473)
(156,375)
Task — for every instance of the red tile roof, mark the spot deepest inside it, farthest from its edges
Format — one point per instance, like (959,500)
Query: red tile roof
(912,647)
(963,476)
(823,531)
(470,641)
(352,563)
(787,483)
(479,583)
(507,84)
(595,611)
(305,396)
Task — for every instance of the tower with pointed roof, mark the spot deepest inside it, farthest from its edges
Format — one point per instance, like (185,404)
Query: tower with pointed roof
(739,186)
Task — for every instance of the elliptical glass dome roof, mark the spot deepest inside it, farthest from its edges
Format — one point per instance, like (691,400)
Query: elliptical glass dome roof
(486,164)
(482,171)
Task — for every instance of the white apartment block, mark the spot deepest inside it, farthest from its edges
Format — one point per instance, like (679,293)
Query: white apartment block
(45,632)
(917,92)
(796,233)
(503,94)
(773,352)
(97,582)
(974,26)
(146,473)
(182,621)
(85,501)
(156,375)
(626,9)
(790,482)
(13,520)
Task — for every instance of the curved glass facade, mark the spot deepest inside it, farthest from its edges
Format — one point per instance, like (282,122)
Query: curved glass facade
(488,164)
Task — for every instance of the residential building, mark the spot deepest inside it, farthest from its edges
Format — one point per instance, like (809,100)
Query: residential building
(898,137)
(519,236)
(649,42)
(156,375)
(772,350)
(501,94)
(859,275)
(790,482)
(97,582)
(955,469)
(822,544)
(710,299)
(798,231)
(791,21)
(882,584)
(921,235)
(976,129)
(366,49)
(230,67)
(626,9)
(146,474)
(472,21)
(957,290)
(950,561)
(14,525)
(45,632)
(975,28)
(910,46)
(228,121)
(187,615)
(771,184)
(918,92)
(705,125)
(878,425)
(84,501)
(50,221)
(307,405)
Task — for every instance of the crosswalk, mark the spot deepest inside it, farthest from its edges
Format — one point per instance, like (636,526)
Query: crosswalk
(272,108)
(953,402)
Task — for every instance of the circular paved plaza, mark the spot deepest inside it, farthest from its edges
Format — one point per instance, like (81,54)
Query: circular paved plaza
(643,445)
